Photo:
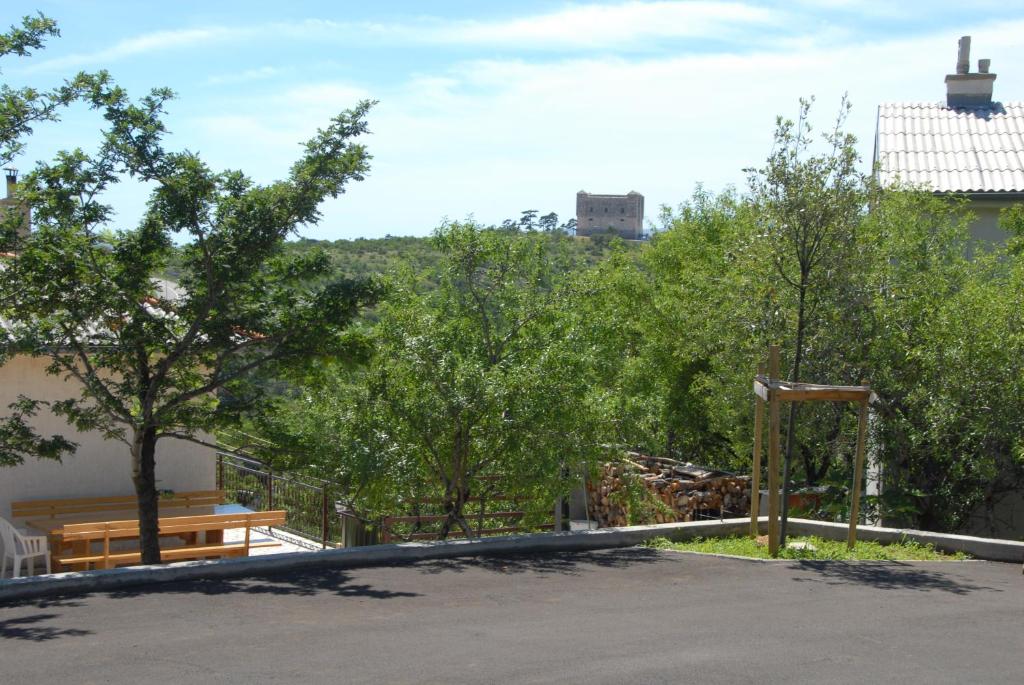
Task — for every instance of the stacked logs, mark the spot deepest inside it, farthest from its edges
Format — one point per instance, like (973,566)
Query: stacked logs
(688,492)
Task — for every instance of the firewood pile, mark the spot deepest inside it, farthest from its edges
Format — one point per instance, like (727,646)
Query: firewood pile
(688,492)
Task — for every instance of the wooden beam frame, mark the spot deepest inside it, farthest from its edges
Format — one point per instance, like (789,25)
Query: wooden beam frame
(770,390)
(773,456)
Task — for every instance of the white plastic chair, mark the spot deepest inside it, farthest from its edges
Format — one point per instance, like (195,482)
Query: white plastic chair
(21,548)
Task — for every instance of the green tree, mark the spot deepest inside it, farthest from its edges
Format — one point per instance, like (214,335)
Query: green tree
(476,384)
(22,108)
(944,351)
(150,359)
(678,314)
(809,206)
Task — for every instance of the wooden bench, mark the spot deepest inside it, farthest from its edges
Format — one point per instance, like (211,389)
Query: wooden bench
(85,534)
(54,508)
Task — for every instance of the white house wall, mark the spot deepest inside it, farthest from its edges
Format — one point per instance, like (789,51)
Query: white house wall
(99,467)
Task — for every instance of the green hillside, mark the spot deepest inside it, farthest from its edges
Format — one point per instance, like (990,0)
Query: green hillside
(375,256)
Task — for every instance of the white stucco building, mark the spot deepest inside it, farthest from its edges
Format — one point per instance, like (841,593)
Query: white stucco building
(99,466)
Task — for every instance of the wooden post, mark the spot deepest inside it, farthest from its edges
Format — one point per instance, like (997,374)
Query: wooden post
(773,455)
(755,481)
(858,469)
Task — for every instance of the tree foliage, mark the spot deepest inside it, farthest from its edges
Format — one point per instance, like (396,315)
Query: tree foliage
(476,386)
(149,358)
(23,108)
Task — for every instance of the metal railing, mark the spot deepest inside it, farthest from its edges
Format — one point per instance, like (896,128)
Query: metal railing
(317,510)
(310,502)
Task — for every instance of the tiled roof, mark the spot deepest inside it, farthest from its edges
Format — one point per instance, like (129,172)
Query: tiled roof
(965,150)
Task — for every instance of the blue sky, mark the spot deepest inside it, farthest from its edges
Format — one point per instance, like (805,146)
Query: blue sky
(490,108)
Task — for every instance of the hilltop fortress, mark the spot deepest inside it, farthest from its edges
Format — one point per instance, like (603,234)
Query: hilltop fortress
(619,214)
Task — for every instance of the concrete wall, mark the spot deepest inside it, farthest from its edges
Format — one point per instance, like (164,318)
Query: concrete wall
(1009,519)
(99,467)
(985,227)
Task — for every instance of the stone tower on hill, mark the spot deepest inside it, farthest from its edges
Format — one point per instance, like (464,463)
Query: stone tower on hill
(619,214)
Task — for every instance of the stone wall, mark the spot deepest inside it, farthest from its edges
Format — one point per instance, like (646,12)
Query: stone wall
(621,214)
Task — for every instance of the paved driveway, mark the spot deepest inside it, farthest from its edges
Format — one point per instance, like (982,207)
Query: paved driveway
(620,616)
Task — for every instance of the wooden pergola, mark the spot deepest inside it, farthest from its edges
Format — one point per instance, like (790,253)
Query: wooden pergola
(770,390)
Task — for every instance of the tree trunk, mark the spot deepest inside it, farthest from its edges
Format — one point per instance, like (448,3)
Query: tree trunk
(791,427)
(455,497)
(454,508)
(144,477)
(670,441)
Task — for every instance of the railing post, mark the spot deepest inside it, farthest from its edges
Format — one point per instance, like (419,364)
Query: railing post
(325,514)
(220,470)
(270,489)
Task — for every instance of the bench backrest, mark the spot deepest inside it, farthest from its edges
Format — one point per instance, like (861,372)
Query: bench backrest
(172,525)
(53,508)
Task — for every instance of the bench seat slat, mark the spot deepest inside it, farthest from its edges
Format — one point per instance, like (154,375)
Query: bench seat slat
(174,525)
(226,549)
(104,531)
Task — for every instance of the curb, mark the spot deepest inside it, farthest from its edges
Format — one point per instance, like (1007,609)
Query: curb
(353,557)
(384,555)
(989,549)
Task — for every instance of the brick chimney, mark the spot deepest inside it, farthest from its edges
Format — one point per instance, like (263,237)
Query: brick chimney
(964,89)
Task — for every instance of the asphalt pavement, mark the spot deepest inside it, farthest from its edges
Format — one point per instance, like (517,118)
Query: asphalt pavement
(618,616)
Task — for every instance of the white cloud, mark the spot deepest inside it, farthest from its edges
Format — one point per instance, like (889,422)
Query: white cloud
(494,136)
(573,27)
(245,76)
(142,45)
(604,26)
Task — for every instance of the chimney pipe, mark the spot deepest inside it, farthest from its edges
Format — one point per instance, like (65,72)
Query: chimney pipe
(967,90)
(963,55)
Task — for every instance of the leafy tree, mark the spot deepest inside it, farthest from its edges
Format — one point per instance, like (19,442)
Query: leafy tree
(548,222)
(475,385)
(679,314)
(808,206)
(21,108)
(528,220)
(944,353)
(149,359)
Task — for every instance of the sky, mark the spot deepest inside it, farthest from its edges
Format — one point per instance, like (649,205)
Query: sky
(486,109)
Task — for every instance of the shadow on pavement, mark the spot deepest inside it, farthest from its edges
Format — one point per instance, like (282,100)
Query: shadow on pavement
(302,584)
(27,628)
(566,563)
(885,575)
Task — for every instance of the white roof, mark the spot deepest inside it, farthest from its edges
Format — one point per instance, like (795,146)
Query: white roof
(955,150)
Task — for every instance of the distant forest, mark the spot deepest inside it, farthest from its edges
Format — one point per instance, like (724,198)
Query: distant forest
(366,257)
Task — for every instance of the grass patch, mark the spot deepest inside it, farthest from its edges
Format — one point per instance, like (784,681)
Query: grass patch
(815,548)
